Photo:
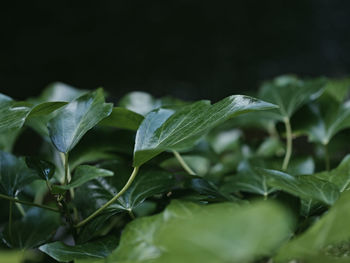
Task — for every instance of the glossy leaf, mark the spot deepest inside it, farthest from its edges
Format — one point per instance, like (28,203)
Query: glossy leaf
(139,102)
(331,229)
(290,93)
(324,120)
(44,169)
(150,181)
(14,174)
(85,173)
(123,118)
(96,249)
(35,228)
(303,186)
(164,129)
(12,114)
(244,233)
(77,117)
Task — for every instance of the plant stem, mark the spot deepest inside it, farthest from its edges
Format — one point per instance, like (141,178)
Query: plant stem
(183,163)
(67,175)
(20,209)
(289,143)
(28,203)
(122,191)
(10,219)
(326,157)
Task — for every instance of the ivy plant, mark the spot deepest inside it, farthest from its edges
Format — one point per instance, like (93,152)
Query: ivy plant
(146,179)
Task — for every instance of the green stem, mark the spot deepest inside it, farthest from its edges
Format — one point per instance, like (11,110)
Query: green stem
(66,169)
(289,143)
(10,219)
(28,203)
(131,214)
(20,209)
(111,201)
(326,157)
(183,163)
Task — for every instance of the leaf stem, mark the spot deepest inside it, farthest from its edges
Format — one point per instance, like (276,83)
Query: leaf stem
(10,219)
(183,163)
(122,191)
(28,203)
(289,143)
(326,157)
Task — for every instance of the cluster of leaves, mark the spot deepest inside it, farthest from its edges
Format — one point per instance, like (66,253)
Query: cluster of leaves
(164,180)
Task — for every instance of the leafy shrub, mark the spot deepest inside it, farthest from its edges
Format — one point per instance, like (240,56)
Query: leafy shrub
(164,180)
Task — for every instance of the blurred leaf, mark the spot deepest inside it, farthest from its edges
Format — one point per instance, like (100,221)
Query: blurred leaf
(139,102)
(185,230)
(83,174)
(338,88)
(14,174)
(165,129)
(123,118)
(95,249)
(199,164)
(325,119)
(339,176)
(290,93)
(303,186)
(331,229)
(270,147)
(77,117)
(58,91)
(44,169)
(32,230)
(247,180)
(224,140)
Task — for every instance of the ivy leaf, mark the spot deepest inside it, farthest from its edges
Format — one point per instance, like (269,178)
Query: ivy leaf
(244,233)
(96,249)
(247,180)
(139,102)
(339,176)
(325,119)
(123,118)
(165,129)
(290,93)
(338,88)
(150,181)
(44,169)
(12,114)
(58,91)
(83,174)
(77,117)
(331,229)
(32,230)
(14,174)
(303,186)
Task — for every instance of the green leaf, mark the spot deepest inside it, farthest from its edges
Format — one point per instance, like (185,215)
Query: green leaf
(44,169)
(324,120)
(222,232)
(139,102)
(338,88)
(32,230)
(247,180)
(339,176)
(96,249)
(303,186)
(14,174)
(290,93)
(77,117)
(331,229)
(165,129)
(12,114)
(123,118)
(58,91)
(199,164)
(85,173)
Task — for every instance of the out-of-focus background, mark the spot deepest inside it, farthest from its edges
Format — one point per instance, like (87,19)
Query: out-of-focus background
(186,48)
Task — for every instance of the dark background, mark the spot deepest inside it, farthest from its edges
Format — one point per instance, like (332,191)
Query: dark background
(187,48)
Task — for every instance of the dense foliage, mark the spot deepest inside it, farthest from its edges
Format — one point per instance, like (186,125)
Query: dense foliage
(153,180)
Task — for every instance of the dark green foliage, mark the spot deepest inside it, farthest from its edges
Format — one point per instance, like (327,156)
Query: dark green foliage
(153,180)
